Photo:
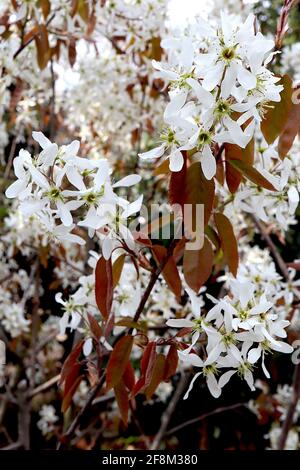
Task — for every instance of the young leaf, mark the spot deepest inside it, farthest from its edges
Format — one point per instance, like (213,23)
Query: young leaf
(118,361)
(72,51)
(252,174)
(69,393)
(157,375)
(129,377)
(197,265)
(177,182)
(170,271)
(70,361)
(95,327)
(42,46)
(104,286)
(276,117)
(83,9)
(130,323)
(117,269)
(228,242)
(290,131)
(122,398)
(199,190)
(45,6)
(234,152)
(147,365)
(171,362)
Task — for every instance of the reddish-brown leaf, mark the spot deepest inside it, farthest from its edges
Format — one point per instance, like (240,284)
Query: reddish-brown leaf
(95,327)
(118,360)
(129,377)
(147,365)
(162,168)
(234,152)
(171,362)
(31,33)
(117,269)
(157,375)
(177,182)
(290,131)
(178,251)
(213,236)
(148,360)
(139,386)
(199,190)
(72,51)
(130,323)
(197,265)
(183,332)
(252,174)
(156,49)
(170,271)
(228,242)
(276,117)
(70,393)
(45,6)
(122,398)
(71,361)
(104,286)
(42,46)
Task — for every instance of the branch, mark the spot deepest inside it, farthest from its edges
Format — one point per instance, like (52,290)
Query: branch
(65,439)
(44,386)
(166,417)
(22,47)
(282,22)
(204,416)
(154,276)
(289,420)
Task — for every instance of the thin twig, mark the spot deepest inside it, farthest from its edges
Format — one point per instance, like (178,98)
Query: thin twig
(154,276)
(222,409)
(289,420)
(13,446)
(44,386)
(75,423)
(10,159)
(167,415)
(6,278)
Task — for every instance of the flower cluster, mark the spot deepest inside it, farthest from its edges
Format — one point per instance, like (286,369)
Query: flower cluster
(236,333)
(47,419)
(219,86)
(58,182)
